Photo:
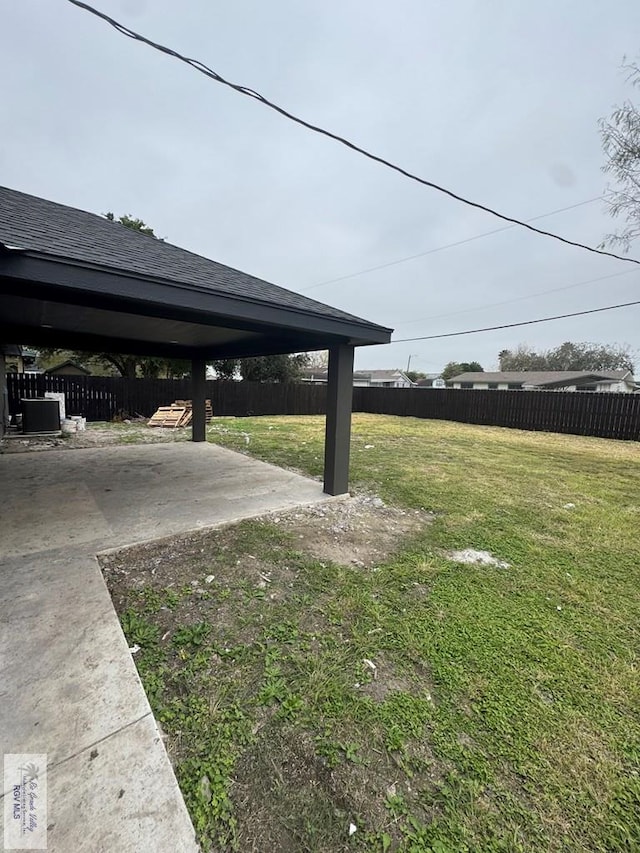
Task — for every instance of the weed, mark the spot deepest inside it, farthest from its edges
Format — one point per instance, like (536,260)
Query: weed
(192,635)
(138,630)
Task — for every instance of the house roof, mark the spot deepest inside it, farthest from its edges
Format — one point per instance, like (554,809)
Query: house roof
(428,379)
(321,374)
(377,376)
(58,246)
(541,377)
(386,375)
(68,363)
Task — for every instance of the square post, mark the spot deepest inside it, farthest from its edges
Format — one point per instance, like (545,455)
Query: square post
(198,396)
(338,424)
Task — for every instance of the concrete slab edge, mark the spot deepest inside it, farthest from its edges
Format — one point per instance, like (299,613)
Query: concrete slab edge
(325,499)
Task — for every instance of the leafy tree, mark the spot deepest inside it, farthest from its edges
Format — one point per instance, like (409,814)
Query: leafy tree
(226,368)
(273,368)
(132,222)
(318,359)
(522,357)
(453,368)
(569,356)
(620,135)
(414,375)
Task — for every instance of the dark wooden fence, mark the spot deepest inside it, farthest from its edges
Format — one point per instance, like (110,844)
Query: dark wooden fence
(579,412)
(582,413)
(101,398)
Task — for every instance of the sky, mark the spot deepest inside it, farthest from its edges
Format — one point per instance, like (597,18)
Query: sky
(496,100)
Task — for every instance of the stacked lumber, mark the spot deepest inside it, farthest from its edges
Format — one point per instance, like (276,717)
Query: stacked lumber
(178,414)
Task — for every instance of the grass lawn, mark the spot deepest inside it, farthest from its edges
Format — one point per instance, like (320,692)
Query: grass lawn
(503,713)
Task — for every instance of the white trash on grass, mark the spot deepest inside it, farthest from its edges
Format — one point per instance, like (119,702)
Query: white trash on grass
(483,558)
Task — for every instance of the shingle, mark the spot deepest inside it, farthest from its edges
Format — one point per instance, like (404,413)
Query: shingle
(45,227)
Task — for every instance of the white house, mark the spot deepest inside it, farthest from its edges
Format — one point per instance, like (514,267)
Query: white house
(361,378)
(549,380)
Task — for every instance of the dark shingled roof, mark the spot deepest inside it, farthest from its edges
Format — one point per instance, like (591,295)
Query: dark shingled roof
(42,227)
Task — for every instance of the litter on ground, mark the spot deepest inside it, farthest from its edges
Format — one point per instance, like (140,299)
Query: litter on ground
(483,558)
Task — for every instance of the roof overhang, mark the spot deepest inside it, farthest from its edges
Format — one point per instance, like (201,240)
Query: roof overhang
(51,301)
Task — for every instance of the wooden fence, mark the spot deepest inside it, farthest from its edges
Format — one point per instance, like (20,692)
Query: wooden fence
(101,398)
(582,413)
(579,412)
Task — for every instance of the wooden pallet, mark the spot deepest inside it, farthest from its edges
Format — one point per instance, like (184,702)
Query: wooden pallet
(188,405)
(167,416)
(186,418)
(178,414)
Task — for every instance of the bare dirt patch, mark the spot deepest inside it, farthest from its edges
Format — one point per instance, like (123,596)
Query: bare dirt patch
(362,530)
(387,679)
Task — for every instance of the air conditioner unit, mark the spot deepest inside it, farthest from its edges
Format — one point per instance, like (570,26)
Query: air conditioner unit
(40,415)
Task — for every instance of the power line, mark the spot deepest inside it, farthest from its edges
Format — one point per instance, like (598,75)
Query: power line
(515,299)
(513,325)
(446,246)
(250,93)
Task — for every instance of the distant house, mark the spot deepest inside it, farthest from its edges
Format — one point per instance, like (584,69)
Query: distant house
(68,368)
(20,359)
(549,380)
(361,378)
(431,380)
(389,379)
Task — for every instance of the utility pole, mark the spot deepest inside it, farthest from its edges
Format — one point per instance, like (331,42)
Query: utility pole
(413,355)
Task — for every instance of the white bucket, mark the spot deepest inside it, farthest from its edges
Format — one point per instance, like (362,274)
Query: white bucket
(69,426)
(81,423)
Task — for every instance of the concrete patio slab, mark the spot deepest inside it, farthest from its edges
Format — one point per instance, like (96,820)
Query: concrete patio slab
(132,493)
(68,684)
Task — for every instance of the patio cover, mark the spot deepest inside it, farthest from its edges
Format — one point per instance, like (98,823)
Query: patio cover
(76,280)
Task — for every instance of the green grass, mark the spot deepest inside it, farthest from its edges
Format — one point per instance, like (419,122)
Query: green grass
(514,719)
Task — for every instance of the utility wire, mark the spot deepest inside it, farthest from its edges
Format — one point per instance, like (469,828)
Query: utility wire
(250,93)
(446,246)
(513,325)
(515,299)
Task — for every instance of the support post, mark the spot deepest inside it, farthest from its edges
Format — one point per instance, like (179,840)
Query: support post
(198,396)
(338,423)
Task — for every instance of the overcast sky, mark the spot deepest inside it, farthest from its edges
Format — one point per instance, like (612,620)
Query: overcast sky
(496,100)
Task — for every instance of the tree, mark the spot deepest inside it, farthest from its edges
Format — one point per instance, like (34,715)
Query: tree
(414,375)
(319,359)
(621,143)
(132,222)
(273,368)
(569,356)
(266,368)
(522,357)
(226,368)
(453,368)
